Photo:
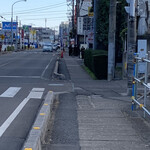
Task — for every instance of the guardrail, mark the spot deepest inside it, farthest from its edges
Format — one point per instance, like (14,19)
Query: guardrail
(143,80)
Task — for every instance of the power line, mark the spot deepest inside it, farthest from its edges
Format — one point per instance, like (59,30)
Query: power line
(46,18)
(42,13)
(36,9)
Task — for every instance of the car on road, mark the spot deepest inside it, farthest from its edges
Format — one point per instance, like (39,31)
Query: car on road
(55,47)
(47,48)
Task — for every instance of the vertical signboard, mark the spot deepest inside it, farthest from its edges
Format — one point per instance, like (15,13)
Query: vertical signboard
(142,50)
(80,26)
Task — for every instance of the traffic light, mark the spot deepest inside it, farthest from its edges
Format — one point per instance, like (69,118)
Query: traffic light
(131,8)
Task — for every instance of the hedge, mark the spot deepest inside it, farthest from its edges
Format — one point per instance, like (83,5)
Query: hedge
(97,61)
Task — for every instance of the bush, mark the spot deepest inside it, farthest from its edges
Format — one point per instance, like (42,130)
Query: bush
(10,48)
(96,61)
(100,63)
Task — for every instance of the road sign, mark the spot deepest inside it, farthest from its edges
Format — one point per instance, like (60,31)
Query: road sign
(7,25)
(90,14)
(2,37)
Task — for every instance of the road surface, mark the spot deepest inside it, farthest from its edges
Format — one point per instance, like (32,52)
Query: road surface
(24,81)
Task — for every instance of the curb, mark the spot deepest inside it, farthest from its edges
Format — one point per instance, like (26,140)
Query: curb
(56,74)
(38,131)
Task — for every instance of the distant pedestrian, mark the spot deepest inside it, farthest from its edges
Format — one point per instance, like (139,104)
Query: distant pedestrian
(70,50)
(82,52)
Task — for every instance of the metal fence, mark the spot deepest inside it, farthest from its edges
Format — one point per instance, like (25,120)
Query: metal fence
(140,99)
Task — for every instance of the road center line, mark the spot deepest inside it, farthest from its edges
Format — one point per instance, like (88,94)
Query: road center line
(46,67)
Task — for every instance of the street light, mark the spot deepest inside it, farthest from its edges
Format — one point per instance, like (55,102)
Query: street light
(12,19)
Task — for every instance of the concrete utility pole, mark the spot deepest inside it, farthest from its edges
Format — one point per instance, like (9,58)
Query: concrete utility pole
(95,26)
(111,40)
(131,43)
(45,22)
(73,17)
(77,12)
(16,46)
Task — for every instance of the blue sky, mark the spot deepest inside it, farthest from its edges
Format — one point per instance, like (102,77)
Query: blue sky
(35,12)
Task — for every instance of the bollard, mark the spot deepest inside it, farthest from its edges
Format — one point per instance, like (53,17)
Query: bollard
(61,56)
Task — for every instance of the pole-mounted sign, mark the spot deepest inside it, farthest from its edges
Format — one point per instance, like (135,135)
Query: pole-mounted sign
(131,8)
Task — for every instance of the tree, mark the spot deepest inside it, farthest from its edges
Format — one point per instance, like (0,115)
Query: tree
(103,24)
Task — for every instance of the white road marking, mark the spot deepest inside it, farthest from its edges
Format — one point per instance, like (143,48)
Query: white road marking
(11,118)
(38,89)
(37,95)
(4,64)
(11,92)
(33,77)
(56,84)
(46,68)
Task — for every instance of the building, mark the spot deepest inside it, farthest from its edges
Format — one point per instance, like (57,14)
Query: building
(64,33)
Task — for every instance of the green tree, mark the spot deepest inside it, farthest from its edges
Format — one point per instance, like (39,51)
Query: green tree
(103,24)
(121,26)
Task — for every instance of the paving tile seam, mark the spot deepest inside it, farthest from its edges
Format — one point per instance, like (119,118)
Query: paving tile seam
(95,140)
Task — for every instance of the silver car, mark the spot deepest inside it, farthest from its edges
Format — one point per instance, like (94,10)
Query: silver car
(47,48)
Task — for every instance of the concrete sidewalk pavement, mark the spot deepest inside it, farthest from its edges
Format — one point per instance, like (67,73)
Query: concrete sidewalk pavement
(95,115)
(105,119)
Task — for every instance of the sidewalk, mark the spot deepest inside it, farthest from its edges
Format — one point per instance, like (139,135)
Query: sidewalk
(103,113)
(96,115)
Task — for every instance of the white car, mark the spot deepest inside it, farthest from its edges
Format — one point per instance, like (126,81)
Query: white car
(47,48)
(55,47)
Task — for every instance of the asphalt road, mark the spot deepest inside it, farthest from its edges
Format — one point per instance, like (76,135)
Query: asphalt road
(25,79)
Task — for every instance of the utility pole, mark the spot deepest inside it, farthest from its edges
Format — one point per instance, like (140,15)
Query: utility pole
(131,43)
(95,26)
(77,13)
(73,18)
(45,22)
(111,40)
(16,46)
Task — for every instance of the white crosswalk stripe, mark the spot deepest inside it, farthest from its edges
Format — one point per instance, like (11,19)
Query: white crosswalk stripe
(10,92)
(36,93)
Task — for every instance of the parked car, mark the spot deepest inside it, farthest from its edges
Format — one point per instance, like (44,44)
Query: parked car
(47,48)
(55,47)
(58,45)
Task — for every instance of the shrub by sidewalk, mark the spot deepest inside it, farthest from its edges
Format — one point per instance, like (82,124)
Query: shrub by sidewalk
(96,61)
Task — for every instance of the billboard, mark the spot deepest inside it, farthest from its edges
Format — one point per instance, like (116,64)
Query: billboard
(84,6)
(7,25)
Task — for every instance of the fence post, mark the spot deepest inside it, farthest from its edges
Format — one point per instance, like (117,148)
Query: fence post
(145,88)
